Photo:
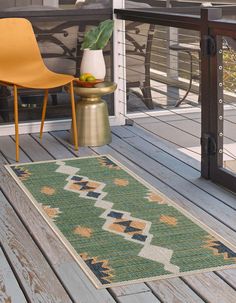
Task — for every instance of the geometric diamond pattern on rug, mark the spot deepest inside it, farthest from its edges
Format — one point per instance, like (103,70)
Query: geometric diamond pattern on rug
(219,248)
(118,228)
(154,197)
(100,268)
(106,162)
(132,229)
(52,213)
(85,187)
(21,172)
(128,227)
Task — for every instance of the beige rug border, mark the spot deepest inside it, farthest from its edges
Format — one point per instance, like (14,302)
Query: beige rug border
(75,254)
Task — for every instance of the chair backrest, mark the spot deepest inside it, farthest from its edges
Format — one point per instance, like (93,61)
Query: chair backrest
(18,46)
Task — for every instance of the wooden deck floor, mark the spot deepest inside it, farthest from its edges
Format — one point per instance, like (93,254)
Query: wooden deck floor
(34,265)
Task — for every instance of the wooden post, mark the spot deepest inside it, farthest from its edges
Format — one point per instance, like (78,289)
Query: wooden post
(207,92)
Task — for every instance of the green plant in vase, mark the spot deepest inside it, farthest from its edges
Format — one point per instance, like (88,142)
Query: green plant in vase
(95,40)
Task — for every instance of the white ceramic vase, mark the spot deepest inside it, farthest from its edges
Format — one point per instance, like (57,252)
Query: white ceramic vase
(93,62)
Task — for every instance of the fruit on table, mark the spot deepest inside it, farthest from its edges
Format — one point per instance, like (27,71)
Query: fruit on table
(87,77)
(90,78)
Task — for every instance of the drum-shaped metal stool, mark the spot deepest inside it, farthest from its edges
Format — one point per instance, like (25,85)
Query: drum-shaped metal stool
(92,114)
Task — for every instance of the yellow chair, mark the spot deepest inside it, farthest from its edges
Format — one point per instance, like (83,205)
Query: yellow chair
(22,66)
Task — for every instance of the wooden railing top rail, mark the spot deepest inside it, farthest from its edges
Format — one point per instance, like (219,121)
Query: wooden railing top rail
(227,10)
(223,27)
(59,14)
(155,16)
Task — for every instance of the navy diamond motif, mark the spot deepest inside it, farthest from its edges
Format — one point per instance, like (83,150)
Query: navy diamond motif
(130,229)
(84,185)
(93,194)
(139,237)
(115,214)
(124,223)
(76,178)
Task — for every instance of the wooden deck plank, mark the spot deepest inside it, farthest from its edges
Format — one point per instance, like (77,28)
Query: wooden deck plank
(139,298)
(130,289)
(10,290)
(7,148)
(173,145)
(164,145)
(174,290)
(160,143)
(64,138)
(172,134)
(181,168)
(29,264)
(194,127)
(139,293)
(171,149)
(189,126)
(72,276)
(229,276)
(57,150)
(211,288)
(222,212)
(33,149)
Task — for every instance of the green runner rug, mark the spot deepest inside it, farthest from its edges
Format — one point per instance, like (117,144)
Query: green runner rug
(118,227)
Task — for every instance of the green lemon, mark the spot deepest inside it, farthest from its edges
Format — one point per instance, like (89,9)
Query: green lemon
(83,77)
(90,79)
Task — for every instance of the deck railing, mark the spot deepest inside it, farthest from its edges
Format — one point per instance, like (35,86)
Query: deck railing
(148,38)
(214,32)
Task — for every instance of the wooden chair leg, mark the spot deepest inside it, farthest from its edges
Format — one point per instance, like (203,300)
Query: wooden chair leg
(74,124)
(45,102)
(16,122)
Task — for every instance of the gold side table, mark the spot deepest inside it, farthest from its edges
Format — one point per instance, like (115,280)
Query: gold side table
(92,114)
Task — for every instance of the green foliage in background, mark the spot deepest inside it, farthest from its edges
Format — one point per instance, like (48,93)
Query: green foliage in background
(98,37)
(229,75)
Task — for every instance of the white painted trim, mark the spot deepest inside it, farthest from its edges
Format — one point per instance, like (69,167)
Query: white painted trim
(54,3)
(119,63)
(166,112)
(53,125)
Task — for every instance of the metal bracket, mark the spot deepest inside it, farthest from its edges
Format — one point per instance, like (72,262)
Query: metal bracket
(129,122)
(209,145)
(208,45)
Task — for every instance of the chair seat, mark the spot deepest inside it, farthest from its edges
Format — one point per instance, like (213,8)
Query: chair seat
(37,79)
